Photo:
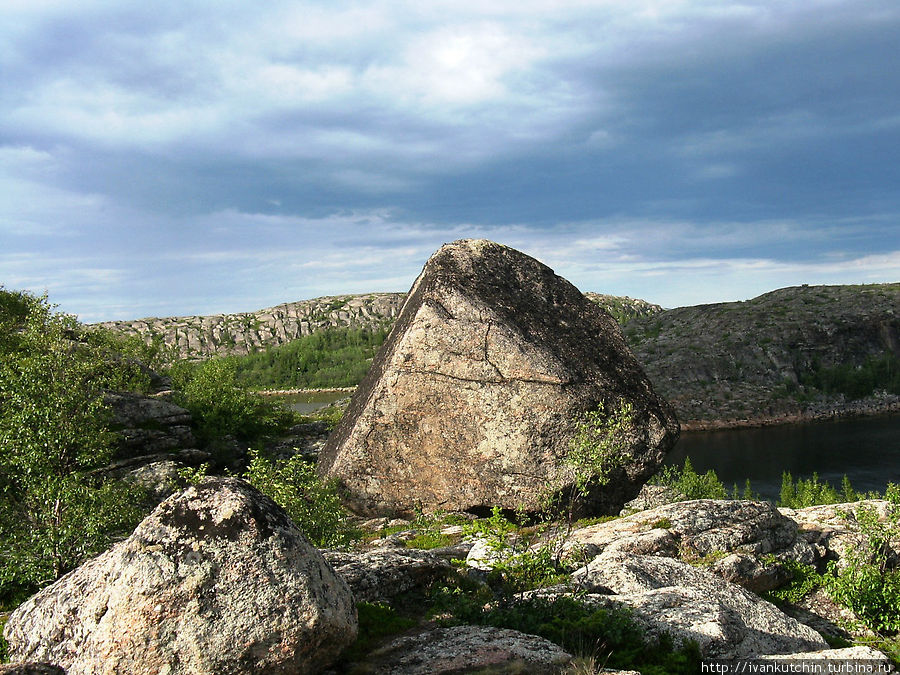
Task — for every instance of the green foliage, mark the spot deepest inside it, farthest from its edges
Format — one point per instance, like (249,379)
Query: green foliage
(4,646)
(221,408)
(376,622)
(691,485)
(804,580)
(337,357)
(866,583)
(56,510)
(313,505)
(812,491)
(520,559)
(599,445)
(194,475)
(874,374)
(609,635)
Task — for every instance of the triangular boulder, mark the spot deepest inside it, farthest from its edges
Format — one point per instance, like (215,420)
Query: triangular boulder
(472,401)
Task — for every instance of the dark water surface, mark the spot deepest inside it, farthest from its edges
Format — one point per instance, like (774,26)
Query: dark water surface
(867,450)
(308,402)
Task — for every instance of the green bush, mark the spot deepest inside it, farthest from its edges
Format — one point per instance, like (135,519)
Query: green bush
(812,492)
(804,580)
(221,408)
(56,510)
(866,583)
(313,505)
(610,635)
(521,561)
(687,483)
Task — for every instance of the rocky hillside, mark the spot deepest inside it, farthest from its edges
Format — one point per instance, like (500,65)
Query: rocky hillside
(623,308)
(200,337)
(773,356)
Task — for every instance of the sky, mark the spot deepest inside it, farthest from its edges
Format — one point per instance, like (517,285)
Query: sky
(184,157)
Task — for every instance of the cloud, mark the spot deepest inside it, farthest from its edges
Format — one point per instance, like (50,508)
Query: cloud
(199,158)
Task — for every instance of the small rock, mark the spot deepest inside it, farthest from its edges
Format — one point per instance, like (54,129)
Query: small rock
(462,649)
(382,576)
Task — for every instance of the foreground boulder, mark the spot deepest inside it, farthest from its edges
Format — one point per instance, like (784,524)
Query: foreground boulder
(688,603)
(216,580)
(472,401)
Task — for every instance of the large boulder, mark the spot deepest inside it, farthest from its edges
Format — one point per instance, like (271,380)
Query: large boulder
(216,580)
(472,402)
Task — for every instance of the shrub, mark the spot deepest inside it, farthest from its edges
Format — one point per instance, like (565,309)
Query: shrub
(867,584)
(598,447)
(221,408)
(812,492)
(520,562)
(313,505)
(804,580)
(691,485)
(56,510)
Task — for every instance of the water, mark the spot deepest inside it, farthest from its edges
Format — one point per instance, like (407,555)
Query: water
(866,450)
(308,402)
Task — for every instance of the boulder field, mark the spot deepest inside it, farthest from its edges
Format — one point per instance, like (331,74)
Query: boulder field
(474,399)
(217,580)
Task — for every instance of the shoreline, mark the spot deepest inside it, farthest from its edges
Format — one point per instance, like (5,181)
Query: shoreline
(291,392)
(846,412)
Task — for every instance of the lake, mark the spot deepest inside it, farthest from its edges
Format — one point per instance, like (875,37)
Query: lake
(311,401)
(866,449)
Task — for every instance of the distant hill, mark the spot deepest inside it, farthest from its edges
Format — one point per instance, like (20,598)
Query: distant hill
(793,353)
(801,351)
(200,337)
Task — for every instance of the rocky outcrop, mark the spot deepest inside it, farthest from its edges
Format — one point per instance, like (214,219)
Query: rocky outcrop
(468,649)
(751,362)
(701,529)
(622,308)
(689,603)
(383,576)
(147,425)
(473,400)
(197,337)
(216,580)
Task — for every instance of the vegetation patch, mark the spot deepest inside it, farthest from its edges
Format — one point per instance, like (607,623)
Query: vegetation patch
(336,357)
(608,635)
(376,622)
(314,505)
(689,484)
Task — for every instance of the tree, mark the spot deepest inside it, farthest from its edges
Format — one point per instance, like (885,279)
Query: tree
(53,434)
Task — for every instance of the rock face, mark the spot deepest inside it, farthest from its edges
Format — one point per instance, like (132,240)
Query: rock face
(746,361)
(216,580)
(472,400)
(148,425)
(242,333)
